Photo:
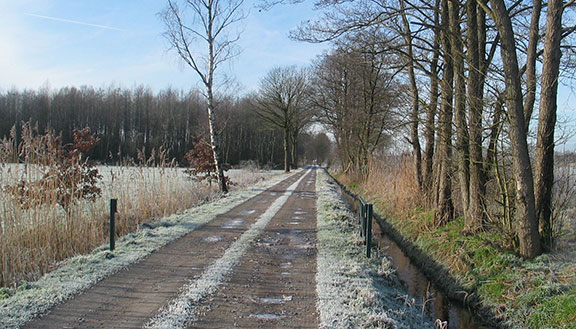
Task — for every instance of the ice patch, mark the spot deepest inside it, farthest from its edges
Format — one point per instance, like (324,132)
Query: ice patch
(264,243)
(213,238)
(234,223)
(267,316)
(275,300)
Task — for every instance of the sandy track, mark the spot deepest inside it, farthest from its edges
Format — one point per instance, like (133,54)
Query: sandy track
(274,286)
(131,297)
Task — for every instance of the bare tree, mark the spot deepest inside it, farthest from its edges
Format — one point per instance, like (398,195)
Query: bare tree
(357,96)
(547,120)
(192,24)
(526,221)
(282,102)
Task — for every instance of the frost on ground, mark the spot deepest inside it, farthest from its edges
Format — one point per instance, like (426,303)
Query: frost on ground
(183,309)
(80,273)
(354,291)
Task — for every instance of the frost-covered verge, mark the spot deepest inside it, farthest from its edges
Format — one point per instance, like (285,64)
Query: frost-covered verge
(353,291)
(79,273)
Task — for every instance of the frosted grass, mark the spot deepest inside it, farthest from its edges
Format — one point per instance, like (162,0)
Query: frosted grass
(353,291)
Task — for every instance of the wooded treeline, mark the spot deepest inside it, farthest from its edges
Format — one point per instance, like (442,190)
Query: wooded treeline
(463,81)
(129,121)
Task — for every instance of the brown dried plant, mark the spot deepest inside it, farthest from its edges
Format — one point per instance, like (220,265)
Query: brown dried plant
(65,174)
(201,161)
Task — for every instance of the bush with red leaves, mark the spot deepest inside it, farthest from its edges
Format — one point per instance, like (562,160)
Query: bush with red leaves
(201,161)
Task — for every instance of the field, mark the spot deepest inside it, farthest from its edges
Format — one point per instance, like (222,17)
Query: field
(34,237)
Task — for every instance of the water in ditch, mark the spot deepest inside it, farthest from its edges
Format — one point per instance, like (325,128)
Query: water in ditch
(434,302)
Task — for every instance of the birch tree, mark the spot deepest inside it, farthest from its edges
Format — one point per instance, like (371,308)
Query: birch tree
(200,32)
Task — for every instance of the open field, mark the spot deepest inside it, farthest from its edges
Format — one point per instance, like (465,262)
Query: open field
(33,238)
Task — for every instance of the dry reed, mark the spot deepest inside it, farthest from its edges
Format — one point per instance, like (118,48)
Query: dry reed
(35,237)
(390,183)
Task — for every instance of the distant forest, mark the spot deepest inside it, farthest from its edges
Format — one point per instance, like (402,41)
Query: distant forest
(131,120)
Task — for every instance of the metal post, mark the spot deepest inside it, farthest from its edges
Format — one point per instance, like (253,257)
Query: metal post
(113,204)
(369,210)
(361,211)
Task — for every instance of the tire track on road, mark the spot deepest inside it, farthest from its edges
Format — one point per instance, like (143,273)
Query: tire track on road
(275,284)
(183,309)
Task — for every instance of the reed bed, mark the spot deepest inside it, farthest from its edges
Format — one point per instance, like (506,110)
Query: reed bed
(45,219)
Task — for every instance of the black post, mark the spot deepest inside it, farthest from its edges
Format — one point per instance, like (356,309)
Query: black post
(361,211)
(113,203)
(369,211)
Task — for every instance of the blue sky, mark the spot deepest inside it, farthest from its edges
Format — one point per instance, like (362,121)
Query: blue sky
(124,46)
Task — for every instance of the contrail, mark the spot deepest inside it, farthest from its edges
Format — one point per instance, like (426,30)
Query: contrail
(75,22)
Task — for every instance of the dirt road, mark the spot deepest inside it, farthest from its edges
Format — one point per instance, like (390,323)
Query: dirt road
(272,284)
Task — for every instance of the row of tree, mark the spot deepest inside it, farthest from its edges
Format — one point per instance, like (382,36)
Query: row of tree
(138,120)
(463,79)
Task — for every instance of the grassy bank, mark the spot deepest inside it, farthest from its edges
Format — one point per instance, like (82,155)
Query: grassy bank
(539,293)
(355,291)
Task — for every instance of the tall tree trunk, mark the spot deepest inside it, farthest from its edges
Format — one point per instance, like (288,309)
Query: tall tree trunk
(293,149)
(286,150)
(215,142)
(462,156)
(414,118)
(547,120)
(430,131)
(214,138)
(531,61)
(443,188)
(476,50)
(526,221)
